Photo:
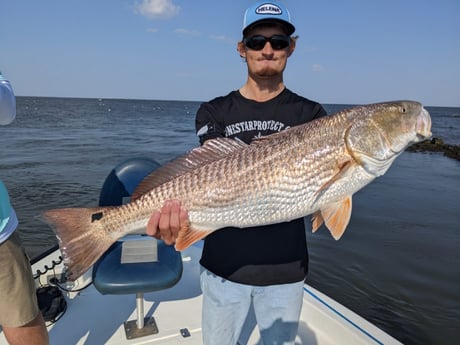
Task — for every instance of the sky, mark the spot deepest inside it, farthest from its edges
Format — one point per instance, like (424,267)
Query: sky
(348,52)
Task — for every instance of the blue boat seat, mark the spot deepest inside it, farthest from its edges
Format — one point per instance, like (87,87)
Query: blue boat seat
(112,276)
(137,264)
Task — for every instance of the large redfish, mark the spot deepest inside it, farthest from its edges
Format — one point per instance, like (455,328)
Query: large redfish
(313,168)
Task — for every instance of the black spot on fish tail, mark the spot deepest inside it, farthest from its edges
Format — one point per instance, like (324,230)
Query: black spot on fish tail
(96,216)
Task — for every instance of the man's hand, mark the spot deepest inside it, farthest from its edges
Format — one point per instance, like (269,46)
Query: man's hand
(165,224)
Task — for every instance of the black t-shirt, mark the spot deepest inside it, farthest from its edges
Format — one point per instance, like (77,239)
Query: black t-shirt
(264,255)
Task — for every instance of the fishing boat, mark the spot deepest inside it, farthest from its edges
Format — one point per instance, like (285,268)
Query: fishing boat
(144,292)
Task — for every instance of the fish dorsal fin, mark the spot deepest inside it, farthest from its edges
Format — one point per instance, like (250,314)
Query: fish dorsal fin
(212,150)
(336,216)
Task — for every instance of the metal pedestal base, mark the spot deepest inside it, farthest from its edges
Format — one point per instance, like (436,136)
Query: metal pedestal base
(132,332)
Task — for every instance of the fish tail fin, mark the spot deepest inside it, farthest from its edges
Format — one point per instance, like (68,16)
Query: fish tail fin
(82,240)
(188,236)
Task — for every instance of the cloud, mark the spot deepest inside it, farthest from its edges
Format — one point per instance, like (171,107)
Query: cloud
(187,32)
(153,30)
(222,38)
(317,68)
(157,9)
(218,37)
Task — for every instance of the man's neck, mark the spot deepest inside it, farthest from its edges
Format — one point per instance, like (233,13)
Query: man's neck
(261,91)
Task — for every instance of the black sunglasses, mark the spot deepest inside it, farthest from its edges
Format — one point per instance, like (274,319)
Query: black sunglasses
(258,42)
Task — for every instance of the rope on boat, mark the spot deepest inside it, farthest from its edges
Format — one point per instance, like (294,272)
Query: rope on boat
(47,269)
(54,280)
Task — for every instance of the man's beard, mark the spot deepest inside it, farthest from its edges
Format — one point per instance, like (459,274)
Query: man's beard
(267,72)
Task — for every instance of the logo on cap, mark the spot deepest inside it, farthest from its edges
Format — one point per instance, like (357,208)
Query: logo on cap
(268,9)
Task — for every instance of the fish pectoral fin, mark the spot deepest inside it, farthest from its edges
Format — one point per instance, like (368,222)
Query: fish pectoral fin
(344,169)
(316,221)
(337,216)
(188,236)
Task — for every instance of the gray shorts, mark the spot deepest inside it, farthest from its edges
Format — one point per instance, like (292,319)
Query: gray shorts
(18,300)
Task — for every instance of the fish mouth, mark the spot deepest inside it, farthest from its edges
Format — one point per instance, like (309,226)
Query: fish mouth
(423,125)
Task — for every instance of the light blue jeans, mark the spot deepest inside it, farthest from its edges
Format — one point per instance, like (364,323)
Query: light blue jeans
(231,311)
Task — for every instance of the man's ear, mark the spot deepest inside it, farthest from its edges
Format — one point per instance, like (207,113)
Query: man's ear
(292,46)
(240,47)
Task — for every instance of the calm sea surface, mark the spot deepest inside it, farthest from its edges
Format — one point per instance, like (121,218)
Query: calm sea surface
(398,264)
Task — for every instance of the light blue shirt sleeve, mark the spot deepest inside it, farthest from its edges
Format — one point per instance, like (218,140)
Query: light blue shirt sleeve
(8,219)
(5,206)
(7,102)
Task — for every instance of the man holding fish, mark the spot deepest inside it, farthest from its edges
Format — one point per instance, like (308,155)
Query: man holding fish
(262,266)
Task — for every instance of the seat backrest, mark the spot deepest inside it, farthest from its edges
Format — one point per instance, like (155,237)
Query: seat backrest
(123,180)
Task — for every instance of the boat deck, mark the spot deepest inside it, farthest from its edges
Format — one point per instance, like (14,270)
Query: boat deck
(95,319)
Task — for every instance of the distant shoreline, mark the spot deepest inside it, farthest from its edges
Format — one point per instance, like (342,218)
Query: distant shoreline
(347,105)
(436,145)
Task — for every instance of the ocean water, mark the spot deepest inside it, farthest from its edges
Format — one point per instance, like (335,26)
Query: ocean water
(397,264)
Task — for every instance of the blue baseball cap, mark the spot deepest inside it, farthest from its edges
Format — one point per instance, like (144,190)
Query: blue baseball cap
(267,12)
